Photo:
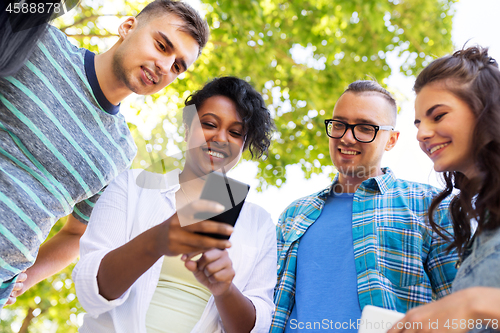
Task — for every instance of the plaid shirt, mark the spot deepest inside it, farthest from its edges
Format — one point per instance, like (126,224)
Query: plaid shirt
(400,262)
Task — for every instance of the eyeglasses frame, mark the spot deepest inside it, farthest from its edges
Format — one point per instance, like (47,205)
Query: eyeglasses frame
(349,126)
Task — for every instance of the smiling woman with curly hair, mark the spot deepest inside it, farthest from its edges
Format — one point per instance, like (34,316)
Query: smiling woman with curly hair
(137,272)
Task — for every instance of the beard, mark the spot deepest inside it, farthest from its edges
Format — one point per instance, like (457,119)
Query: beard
(120,72)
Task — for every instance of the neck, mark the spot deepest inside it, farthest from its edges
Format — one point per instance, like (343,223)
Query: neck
(191,184)
(349,182)
(114,90)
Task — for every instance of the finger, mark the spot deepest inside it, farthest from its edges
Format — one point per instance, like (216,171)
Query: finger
(10,300)
(226,275)
(18,286)
(205,206)
(216,266)
(210,256)
(22,277)
(211,227)
(191,266)
(191,256)
(202,242)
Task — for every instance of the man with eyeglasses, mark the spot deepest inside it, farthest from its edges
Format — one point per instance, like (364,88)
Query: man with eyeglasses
(365,239)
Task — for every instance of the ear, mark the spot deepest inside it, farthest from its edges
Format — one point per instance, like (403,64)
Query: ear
(393,139)
(129,25)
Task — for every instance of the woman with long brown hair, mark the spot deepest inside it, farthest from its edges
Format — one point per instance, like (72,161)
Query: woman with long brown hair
(457,113)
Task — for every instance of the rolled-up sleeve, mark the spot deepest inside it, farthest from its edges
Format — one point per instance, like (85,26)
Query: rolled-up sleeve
(260,287)
(107,230)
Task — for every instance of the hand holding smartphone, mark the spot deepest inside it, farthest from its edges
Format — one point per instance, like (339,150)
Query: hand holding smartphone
(228,192)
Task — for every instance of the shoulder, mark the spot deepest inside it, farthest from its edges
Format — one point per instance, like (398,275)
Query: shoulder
(256,213)
(420,194)
(420,189)
(55,35)
(303,205)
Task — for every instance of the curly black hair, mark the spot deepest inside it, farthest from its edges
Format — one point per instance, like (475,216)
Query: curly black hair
(257,122)
(474,77)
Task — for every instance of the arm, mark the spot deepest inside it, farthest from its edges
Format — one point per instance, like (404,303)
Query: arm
(54,255)
(477,305)
(215,271)
(121,267)
(111,261)
(251,308)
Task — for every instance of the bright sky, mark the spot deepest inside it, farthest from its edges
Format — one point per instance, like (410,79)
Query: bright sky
(475,21)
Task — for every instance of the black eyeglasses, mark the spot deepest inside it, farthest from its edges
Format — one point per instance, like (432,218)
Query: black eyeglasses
(364,133)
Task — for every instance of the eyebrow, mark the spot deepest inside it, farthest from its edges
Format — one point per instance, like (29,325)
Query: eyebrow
(358,120)
(218,118)
(428,112)
(172,47)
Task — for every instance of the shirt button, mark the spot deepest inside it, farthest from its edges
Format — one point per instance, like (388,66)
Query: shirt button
(298,232)
(278,267)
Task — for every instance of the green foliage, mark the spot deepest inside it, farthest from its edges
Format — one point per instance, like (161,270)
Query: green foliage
(262,42)
(53,302)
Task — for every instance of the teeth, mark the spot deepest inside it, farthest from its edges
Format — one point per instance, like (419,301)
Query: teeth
(433,149)
(149,76)
(215,154)
(348,152)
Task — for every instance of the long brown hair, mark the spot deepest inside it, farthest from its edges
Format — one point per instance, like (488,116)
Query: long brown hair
(473,76)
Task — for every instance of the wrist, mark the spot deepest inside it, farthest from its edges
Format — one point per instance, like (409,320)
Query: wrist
(154,242)
(227,293)
(482,302)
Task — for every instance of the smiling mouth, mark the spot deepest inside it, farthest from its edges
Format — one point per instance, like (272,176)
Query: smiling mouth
(349,152)
(215,153)
(435,148)
(149,76)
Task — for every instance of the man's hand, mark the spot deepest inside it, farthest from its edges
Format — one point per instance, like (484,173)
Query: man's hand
(214,270)
(19,288)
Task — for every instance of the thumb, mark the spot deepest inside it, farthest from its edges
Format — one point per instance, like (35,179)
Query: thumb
(191,265)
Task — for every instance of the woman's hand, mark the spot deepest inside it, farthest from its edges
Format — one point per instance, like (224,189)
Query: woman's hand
(19,288)
(458,312)
(214,270)
(179,233)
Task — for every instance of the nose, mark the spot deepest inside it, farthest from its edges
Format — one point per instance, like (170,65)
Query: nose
(221,137)
(424,132)
(164,64)
(348,137)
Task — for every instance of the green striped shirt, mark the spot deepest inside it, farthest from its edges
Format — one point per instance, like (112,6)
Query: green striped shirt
(61,143)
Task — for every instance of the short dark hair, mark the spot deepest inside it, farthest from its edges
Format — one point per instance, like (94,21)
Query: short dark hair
(195,26)
(257,122)
(474,77)
(362,86)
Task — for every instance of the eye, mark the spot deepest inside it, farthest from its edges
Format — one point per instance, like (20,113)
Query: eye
(161,46)
(207,124)
(177,68)
(439,117)
(366,128)
(237,134)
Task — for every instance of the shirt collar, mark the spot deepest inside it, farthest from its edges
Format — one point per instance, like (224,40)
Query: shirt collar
(96,88)
(380,183)
(171,181)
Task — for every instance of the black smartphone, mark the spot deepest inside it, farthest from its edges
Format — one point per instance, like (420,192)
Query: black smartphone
(228,192)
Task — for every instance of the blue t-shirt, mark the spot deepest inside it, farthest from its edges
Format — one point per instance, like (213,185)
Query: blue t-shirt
(326,295)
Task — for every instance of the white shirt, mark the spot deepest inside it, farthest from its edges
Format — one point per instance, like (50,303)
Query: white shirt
(137,201)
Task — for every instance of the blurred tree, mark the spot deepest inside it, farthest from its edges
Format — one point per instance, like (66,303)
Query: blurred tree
(300,54)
